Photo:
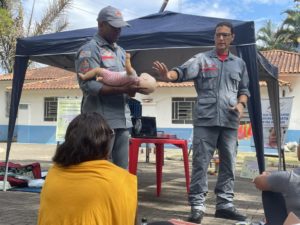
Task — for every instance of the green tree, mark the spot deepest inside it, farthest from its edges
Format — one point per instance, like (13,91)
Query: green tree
(267,37)
(9,31)
(289,31)
(52,20)
(5,20)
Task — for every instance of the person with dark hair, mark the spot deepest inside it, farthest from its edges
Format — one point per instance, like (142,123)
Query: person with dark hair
(83,187)
(110,101)
(221,82)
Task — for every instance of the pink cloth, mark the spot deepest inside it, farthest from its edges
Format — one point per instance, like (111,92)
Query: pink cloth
(118,78)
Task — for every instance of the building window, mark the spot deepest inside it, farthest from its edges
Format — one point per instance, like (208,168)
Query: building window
(7,103)
(50,109)
(23,106)
(182,110)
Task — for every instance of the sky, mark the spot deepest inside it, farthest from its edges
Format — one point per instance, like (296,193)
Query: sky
(83,13)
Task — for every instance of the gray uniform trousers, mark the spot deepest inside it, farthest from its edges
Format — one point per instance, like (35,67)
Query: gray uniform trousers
(205,142)
(119,147)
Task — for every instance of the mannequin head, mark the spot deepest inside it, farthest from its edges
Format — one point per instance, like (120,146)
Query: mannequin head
(148,83)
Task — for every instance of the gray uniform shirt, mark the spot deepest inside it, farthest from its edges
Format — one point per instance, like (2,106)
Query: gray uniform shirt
(287,183)
(218,85)
(98,53)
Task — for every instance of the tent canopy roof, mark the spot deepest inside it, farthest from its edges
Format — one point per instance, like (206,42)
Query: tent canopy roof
(169,37)
(155,31)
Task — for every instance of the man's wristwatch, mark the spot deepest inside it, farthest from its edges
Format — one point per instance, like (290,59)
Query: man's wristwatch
(243,104)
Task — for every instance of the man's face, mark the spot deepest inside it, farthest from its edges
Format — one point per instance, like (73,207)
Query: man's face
(223,38)
(109,33)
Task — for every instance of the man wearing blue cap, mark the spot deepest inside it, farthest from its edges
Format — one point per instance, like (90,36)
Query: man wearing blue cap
(111,102)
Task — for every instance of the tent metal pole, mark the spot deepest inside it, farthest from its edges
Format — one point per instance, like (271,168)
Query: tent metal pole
(5,177)
(20,67)
(164,5)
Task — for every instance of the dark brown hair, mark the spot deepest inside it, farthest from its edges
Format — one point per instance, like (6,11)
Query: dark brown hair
(225,24)
(87,138)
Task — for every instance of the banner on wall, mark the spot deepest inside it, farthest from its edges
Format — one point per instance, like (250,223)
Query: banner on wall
(67,110)
(250,167)
(245,131)
(267,121)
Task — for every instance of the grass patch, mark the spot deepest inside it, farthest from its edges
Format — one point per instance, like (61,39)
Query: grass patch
(291,160)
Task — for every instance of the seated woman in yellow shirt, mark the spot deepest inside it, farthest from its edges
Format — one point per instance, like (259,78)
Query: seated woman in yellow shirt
(83,187)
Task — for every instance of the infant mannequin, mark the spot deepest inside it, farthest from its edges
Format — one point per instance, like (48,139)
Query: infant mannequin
(146,82)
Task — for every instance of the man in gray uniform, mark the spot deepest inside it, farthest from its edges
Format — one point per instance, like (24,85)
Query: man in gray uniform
(110,102)
(221,82)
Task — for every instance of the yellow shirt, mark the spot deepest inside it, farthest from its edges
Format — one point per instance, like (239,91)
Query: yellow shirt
(91,193)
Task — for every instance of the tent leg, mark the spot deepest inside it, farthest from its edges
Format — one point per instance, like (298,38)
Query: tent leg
(5,177)
(283,159)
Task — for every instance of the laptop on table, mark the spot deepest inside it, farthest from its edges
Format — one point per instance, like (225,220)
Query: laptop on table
(145,127)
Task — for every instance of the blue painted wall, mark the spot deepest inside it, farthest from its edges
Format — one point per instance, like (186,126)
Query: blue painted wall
(3,132)
(36,134)
(292,135)
(46,135)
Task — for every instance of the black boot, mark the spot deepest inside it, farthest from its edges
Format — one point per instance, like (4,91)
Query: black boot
(196,216)
(230,213)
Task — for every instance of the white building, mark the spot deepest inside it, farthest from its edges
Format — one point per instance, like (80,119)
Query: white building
(171,103)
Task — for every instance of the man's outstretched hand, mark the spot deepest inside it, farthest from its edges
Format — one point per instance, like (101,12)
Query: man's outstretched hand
(163,71)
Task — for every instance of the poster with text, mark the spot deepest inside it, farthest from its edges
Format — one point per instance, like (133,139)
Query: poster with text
(268,126)
(250,167)
(67,110)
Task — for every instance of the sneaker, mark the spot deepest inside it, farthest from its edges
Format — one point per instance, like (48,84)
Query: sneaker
(243,223)
(230,213)
(196,216)
(249,223)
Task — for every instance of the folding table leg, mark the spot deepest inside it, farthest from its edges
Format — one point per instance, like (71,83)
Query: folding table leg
(159,163)
(186,166)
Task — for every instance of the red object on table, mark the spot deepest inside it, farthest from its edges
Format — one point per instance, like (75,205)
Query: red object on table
(134,144)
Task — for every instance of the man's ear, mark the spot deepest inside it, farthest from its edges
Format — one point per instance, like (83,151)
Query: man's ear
(100,24)
(232,38)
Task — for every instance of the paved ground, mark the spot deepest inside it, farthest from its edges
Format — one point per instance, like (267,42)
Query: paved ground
(20,208)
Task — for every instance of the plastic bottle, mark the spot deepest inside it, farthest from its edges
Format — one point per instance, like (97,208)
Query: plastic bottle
(144,221)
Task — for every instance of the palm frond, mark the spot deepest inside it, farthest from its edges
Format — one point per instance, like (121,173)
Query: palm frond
(53,12)
(61,24)
(30,19)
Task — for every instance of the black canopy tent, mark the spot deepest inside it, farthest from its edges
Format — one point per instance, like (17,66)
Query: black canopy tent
(169,37)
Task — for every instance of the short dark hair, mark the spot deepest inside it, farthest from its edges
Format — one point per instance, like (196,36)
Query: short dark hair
(87,138)
(226,24)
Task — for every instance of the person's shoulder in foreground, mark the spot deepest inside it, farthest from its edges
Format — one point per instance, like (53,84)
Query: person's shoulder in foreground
(286,183)
(264,181)
(83,187)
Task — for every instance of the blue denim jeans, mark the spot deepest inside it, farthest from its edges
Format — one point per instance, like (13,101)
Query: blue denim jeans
(205,141)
